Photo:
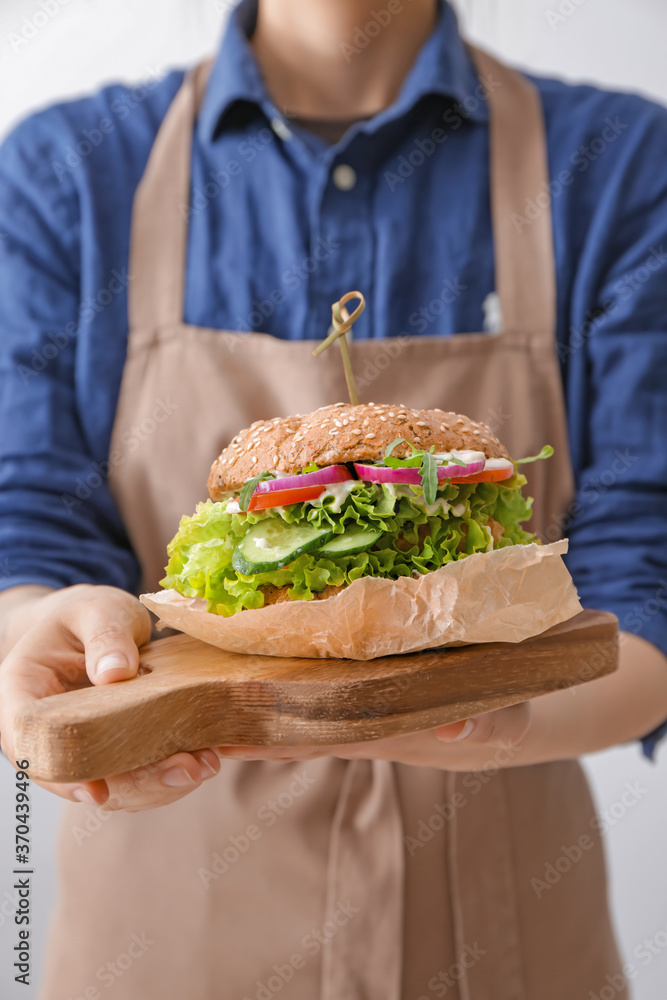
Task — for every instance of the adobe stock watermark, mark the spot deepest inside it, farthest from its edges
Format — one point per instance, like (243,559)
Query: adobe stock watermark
(423,149)
(311,945)
(645,952)
(290,281)
(130,440)
(391,348)
(115,969)
(448,979)
(590,493)
(562,13)
(34,23)
(444,812)
(623,289)
(91,139)
(634,620)
(219,180)
(59,340)
(268,814)
(365,33)
(571,854)
(580,160)
(223,8)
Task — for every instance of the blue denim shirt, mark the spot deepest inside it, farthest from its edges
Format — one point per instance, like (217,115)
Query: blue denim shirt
(278,231)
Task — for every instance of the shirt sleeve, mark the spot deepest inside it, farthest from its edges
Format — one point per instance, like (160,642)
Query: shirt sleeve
(617,358)
(58,523)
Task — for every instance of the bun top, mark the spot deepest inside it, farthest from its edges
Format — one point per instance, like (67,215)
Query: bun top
(342,433)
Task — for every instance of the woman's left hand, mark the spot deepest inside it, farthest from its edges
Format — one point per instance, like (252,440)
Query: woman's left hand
(470,745)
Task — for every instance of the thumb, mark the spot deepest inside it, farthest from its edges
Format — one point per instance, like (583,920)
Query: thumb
(112,625)
(508,725)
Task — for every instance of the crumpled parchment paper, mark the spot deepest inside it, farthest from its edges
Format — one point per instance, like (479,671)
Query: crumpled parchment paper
(506,595)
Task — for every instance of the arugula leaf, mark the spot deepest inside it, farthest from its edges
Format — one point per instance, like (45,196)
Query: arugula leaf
(249,488)
(394,444)
(453,460)
(413,462)
(546,452)
(429,476)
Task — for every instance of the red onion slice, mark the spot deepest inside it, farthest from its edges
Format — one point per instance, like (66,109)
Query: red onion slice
(323,477)
(412,477)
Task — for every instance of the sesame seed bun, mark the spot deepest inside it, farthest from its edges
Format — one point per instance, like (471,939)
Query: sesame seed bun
(342,433)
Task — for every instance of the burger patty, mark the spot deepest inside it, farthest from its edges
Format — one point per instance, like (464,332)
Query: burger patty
(277,595)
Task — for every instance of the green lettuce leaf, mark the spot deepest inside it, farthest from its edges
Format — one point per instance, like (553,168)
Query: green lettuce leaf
(416,538)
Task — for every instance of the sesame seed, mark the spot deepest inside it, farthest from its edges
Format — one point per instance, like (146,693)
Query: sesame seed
(345,423)
(421,423)
(338,423)
(391,413)
(355,430)
(383,419)
(370,435)
(333,431)
(254,459)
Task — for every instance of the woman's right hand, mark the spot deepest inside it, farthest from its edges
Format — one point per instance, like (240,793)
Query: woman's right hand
(69,636)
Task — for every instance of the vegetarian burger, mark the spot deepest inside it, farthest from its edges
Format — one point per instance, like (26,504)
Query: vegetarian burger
(303,506)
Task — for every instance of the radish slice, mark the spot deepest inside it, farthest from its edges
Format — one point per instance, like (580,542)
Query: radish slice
(323,477)
(412,477)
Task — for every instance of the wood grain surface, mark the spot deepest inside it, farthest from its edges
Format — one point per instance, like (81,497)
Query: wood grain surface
(191,695)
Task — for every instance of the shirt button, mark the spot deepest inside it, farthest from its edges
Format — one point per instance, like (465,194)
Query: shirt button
(344,177)
(281,129)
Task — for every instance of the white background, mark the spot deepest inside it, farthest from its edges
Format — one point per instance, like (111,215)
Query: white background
(617,43)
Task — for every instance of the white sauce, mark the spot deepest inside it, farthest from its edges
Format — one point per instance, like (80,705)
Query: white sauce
(339,492)
(262,543)
(497,463)
(459,509)
(233,507)
(464,456)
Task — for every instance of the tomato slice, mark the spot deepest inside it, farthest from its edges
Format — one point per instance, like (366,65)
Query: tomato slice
(487,476)
(281,498)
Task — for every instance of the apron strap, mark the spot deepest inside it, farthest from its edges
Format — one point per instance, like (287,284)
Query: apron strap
(524,249)
(161,214)
(524,254)
(363,952)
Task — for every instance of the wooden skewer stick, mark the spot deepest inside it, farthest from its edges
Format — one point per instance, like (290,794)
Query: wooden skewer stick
(341,322)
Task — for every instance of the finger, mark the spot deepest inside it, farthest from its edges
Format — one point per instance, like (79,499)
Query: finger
(283,754)
(162,783)
(92,793)
(111,626)
(506,725)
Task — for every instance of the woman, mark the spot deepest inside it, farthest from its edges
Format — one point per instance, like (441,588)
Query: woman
(390,158)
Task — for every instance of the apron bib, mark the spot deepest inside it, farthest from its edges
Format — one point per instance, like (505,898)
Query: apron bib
(335,880)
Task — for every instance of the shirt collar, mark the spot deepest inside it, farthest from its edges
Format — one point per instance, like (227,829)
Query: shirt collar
(443,67)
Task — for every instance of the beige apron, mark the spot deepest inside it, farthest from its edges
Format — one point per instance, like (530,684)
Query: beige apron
(334,880)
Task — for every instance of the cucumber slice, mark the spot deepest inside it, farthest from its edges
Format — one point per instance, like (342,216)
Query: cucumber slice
(272,544)
(352,540)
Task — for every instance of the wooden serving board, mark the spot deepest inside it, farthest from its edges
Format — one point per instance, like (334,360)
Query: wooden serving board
(192,695)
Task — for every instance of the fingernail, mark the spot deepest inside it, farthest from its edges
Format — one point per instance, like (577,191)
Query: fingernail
(82,795)
(207,769)
(177,777)
(112,661)
(466,731)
